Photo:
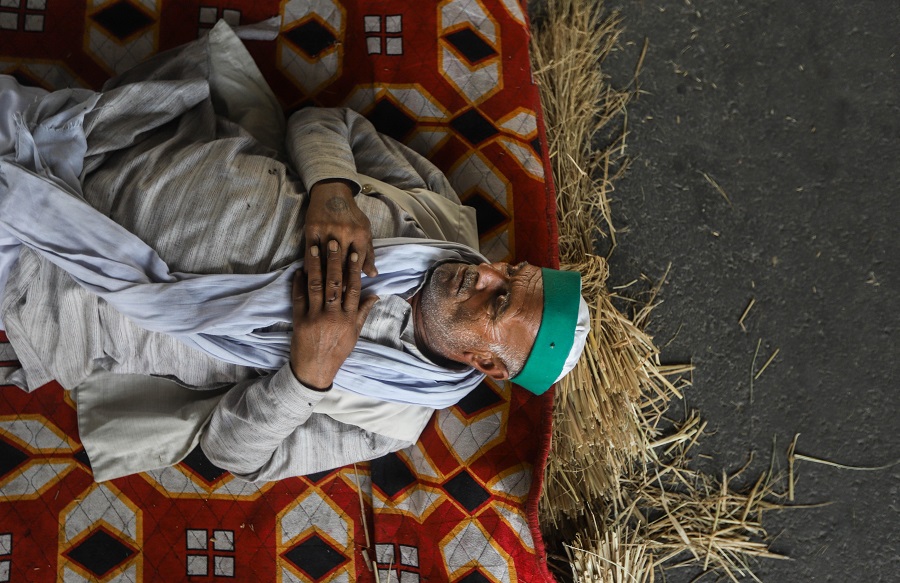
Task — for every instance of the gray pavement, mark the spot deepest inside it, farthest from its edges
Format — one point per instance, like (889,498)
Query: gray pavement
(793,108)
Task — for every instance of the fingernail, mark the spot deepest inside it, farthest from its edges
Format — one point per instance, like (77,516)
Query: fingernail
(314,251)
(354,257)
(332,245)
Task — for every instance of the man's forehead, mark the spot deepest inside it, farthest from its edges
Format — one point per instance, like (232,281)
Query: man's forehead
(533,274)
(532,307)
(531,279)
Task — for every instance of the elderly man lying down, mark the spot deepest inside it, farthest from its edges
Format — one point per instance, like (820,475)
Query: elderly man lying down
(198,273)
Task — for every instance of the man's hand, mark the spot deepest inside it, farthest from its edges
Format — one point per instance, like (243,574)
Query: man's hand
(327,315)
(333,214)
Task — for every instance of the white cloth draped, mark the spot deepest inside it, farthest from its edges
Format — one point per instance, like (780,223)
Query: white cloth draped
(224,315)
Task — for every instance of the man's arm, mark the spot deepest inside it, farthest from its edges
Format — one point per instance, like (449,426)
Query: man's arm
(255,418)
(329,147)
(319,144)
(267,429)
(326,143)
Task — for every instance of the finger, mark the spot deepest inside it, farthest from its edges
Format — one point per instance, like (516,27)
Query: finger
(364,310)
(369,261)
(313,239)
(334,276)
(298,294)
(348,244)
(354,282)
(314,285)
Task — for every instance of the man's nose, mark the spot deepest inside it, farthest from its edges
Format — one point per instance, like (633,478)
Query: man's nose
(490,277)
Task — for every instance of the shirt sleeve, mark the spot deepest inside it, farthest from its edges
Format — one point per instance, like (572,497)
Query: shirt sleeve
(267,429)
(319,145)
(327,143)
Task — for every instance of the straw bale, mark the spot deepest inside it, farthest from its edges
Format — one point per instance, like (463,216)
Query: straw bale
(596,423)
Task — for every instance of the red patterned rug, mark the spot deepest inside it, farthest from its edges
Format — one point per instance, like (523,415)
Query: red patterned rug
(451,79)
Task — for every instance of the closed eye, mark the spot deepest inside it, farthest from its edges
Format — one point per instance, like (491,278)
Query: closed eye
(513,269)
(501,304)
(502,301)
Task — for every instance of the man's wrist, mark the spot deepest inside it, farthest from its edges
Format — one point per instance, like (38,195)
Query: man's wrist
(334,187)
(289,394)
(312,381)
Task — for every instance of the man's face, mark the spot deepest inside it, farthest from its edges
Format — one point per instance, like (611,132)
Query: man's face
(486,316)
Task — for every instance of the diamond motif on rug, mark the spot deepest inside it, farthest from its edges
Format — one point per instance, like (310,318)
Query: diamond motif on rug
(475,577)
(465,490)
(473,126)
(82,456)
(391,120)
(319,476)
(471,45)
(11,457)
(481,398)
(488,216)
(122,19)
(315,557)
(311,37)
(391,475)
(100,552)
(199,464)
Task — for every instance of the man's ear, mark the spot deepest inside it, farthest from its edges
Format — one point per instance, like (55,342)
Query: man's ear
(488,363)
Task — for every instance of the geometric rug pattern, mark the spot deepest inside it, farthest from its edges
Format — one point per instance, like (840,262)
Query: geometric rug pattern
(452,80)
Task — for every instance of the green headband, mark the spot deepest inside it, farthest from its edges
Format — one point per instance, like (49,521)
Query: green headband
(555,337)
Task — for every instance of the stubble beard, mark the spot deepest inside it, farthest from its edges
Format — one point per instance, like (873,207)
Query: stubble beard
(437,316)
